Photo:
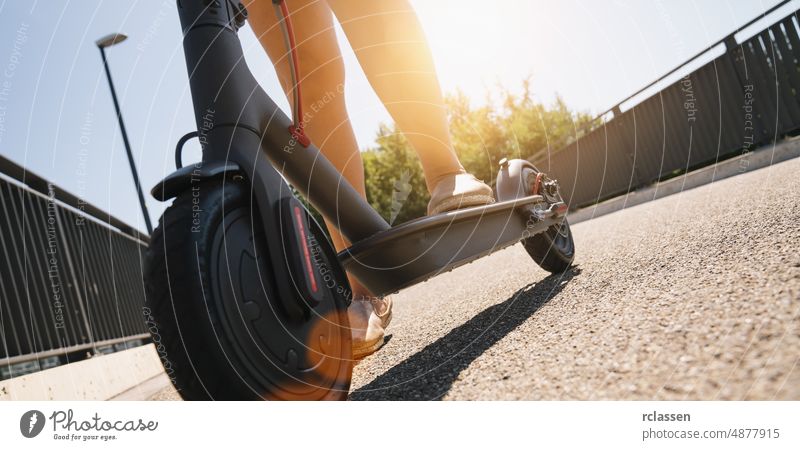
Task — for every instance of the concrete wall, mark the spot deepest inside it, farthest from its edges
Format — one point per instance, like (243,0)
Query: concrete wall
(99,378)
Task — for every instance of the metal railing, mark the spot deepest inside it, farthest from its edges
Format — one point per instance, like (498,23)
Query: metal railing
(70,275)
(748,96)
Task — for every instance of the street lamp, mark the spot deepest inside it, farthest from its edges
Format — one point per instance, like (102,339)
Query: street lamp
(102,43)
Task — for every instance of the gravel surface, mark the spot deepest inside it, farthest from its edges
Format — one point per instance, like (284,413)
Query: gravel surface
(693,296)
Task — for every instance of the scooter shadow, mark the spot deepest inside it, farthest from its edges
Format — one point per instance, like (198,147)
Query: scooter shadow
(430,373)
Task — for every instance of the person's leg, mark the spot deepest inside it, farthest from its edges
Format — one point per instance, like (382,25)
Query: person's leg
(328,126)
(391,47)
(322,77)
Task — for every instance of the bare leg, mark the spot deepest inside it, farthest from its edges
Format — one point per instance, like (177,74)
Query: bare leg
(391,47)
(322,77)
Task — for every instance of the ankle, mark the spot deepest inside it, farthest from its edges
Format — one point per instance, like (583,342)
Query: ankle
(362,295)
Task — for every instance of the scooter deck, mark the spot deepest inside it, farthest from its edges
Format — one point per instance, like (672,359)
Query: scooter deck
(422,248)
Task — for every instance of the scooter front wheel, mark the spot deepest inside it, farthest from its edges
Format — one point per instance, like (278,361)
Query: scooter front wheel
(215,316)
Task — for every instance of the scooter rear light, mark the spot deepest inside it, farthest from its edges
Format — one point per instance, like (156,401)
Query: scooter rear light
(303,253)
(537,185)
(306,254)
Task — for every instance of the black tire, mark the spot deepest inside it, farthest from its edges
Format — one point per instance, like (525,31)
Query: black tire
(553,250)
(222,336)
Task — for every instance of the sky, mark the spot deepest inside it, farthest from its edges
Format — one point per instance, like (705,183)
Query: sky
(57,117)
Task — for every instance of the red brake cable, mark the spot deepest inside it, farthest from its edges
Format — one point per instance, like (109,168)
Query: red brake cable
(297,110)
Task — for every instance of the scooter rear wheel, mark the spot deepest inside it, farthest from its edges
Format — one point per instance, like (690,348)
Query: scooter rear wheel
(554,249)
(214,315)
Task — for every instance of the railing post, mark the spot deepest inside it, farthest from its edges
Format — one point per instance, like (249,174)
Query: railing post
(730,43)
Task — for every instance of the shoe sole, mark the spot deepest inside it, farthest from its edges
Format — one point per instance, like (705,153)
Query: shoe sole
(361,352)
(465,201)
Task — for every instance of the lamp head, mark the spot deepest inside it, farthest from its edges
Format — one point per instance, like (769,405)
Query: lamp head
(111,39)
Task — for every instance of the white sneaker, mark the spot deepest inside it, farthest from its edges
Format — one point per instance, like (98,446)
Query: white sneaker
(369,317)
(460,190)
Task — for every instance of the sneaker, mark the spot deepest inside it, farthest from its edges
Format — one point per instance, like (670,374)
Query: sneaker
(460,190)
(369,317)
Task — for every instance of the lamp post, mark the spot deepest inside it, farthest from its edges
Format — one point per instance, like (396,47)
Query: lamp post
(102,43)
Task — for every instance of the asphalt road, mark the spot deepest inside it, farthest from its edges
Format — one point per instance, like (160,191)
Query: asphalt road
(692,296)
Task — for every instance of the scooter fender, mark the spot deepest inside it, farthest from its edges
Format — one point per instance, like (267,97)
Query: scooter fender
(511,181)
(183,178)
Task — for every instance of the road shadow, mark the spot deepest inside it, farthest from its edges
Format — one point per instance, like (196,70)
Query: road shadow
(429,373)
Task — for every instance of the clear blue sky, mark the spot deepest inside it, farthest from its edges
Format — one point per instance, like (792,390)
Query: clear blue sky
(58,119)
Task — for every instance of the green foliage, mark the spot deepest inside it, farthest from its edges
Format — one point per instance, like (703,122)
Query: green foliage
(394,181)
(515,127)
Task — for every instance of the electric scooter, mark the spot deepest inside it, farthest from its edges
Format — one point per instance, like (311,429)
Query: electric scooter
(247,297)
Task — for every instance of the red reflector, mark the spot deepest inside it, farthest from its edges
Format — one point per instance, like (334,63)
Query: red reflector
(300,136)
(537,185)
(298,214)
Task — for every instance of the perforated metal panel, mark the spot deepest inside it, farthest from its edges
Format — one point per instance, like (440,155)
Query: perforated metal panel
(748,96)
(70,280)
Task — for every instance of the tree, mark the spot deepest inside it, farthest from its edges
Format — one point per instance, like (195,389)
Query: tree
(517,127)
(394,180)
